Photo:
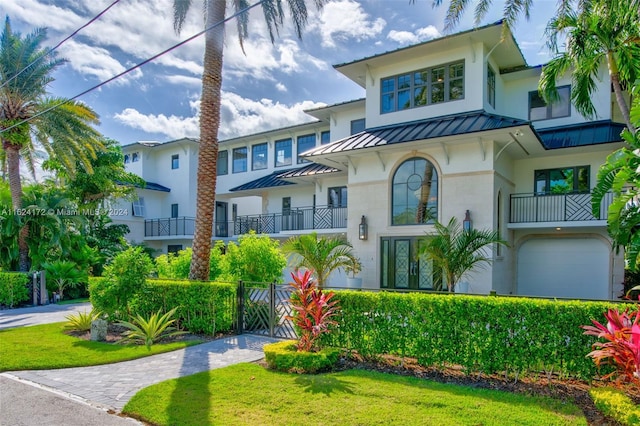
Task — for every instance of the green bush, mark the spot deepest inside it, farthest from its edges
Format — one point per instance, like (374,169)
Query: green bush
(201,307)
(256,258)
(283,356)
(487,334)
(176,266)
(615,404)
(13,288)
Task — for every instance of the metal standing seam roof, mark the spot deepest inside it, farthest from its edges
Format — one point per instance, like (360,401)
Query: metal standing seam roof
(312,169)
(148,185)
(582,134)
(268,181)
(450,125)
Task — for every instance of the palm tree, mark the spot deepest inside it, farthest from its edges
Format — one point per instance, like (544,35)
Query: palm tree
(456,251)
(63,128)
(214,11)
(608,31)
(321,255)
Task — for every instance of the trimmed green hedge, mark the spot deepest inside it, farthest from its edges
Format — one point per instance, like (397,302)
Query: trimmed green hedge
(13,288)
(283,356)
(615,404)
(201,307)
(487,334)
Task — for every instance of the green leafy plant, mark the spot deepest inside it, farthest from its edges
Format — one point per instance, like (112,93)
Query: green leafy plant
(81,321)
(313,310)
(256,258)
(284,356)
(13,288)
(615,404)
(456,251)
(150,330)
(622,344)
(322,255)
(64,274)
(176,266)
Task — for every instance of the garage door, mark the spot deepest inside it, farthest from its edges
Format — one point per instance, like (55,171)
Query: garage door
(564,267)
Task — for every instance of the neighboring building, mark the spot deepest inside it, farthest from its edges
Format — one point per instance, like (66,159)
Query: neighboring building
(447,126)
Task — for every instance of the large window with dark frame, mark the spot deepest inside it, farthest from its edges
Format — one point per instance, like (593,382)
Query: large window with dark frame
(414,196)
(540,110)
(562,180)
(240,160)
(282,153)
(223,163)
(259,156)
(428,86)
(305,143)
(337,196)
(491,86)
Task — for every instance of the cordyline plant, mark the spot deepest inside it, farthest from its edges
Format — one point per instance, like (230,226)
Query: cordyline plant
(313,310)
(622,346)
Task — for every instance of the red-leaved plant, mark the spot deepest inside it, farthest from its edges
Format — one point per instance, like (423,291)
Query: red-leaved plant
(622,346)
(313,310)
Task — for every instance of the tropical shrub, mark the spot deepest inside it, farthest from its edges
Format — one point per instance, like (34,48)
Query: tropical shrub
(81,321)
(64,274)
(13,288)
(313,311)
(615,404)
(256,258)
(284,356)
(176,266)
(150,330)
(621,348)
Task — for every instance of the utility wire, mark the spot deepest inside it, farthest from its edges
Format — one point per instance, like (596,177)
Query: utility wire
(95,18)
(146,61)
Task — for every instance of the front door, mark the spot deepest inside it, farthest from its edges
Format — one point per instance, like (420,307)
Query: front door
(222,229)
(402,268)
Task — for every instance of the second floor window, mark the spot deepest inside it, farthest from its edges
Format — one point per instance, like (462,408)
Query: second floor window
(259,156)
(175,161)
(358,126)
(135,157)
(423,87)
(305,143)
(240,160)
(491,89)
(562,181)
(283,153)
(338,196)
(174,210)
(539,110)
(325,137)
(223,163)
(138,207)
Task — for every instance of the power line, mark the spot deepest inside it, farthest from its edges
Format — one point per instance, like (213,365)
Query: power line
(146,61)
(73,34)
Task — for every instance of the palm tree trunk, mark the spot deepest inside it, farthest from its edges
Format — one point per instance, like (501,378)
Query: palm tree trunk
(208,152)
(617,89)
(12,153)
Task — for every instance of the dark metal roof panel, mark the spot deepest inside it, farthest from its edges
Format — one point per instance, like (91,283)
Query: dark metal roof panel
(312,169)
(451,125)
(582,134)
(156,187)
(268,181)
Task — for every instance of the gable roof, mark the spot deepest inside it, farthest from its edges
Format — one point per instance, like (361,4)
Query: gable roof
(449,125)
(582,134)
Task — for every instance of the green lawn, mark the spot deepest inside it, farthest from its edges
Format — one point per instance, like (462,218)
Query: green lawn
(248,394)
(72,301)
(41,347)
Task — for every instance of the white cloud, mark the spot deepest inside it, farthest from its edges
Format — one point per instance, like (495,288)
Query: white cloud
(96,62)
(407,37)
(281,87)
(346,20)
(183,80)
(238,116)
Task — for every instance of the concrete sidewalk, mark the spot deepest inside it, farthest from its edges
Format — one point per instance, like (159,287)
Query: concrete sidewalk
(45,314)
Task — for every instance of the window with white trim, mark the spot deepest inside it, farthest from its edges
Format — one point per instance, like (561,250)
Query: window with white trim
(138,208)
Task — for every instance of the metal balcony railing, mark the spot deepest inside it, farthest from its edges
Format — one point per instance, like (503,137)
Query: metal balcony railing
(535,208)
(297,219)
(167,227)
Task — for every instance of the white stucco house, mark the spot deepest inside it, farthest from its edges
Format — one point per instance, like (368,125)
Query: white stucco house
(447,126)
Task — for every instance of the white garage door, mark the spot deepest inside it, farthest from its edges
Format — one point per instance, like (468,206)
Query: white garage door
(564,267)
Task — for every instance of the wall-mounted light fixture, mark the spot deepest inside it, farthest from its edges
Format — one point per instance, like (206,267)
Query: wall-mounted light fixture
(466,223)
(363,232)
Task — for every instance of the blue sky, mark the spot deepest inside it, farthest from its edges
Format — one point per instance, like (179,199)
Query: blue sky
(267,88)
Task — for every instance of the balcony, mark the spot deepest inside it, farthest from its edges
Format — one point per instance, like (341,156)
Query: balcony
(169,227)
(297,219)
(537,208)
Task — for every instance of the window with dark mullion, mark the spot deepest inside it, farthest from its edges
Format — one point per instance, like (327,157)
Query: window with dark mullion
(259,156)
(240,160)
(305,143)
(223,163)
(562,180)
(282,155)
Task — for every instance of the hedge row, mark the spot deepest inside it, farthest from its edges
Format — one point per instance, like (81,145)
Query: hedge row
(202,307)
(13,288)
(486,334)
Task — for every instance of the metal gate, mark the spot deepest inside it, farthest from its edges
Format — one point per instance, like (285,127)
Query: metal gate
(264,311)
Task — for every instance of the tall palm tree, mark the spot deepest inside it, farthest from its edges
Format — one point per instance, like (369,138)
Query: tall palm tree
(456,251)
(321,255)
(65,132)
(608,31)
(214,13)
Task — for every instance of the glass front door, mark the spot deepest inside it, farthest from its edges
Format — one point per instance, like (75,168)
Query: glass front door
(402,268)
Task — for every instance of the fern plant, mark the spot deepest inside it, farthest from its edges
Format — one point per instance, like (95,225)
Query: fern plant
(81,321)
(151,330)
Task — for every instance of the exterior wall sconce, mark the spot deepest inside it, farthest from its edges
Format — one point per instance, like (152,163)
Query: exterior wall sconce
(466,223)
(363,231)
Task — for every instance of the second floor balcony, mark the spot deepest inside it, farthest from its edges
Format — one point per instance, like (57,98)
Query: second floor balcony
(554,208)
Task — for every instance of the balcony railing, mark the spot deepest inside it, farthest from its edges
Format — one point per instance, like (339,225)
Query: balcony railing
(297,219)
(535,208)
(175,226)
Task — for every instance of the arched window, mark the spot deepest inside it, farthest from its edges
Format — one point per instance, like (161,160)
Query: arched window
(414,198)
